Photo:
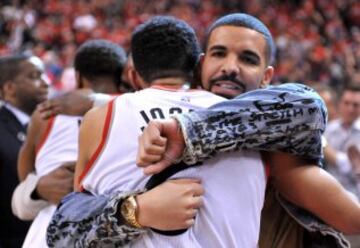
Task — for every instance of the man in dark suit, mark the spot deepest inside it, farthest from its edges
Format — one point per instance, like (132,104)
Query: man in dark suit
(23,84)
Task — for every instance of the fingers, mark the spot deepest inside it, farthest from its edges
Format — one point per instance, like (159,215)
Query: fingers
(171,159)
(155,152)
(152,134)
(151,145)
(154,147)
(353,150)
(149,152)
(46,113)
(189,223)
(197,202)
(193,211)
(155,163)
(194,190)
(62,172)
(70,166)
(198,189)
(69,185)
(48,109)
(44,105)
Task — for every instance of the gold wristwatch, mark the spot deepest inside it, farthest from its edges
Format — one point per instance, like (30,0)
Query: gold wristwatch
(129,209)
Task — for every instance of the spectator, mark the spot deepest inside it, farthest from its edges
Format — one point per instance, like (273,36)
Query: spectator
(22,86)
(341,134)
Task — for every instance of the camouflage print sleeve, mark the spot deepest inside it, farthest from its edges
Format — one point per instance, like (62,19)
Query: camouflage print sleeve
(84,220)
(289,118)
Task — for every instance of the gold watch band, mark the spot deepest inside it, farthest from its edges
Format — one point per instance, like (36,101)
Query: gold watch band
(129,209)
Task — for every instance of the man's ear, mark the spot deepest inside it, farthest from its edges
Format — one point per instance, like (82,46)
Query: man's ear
(78,78)
(196,82)
(136,80)
(8,90)
(131,74)
(197,72)
(269,72)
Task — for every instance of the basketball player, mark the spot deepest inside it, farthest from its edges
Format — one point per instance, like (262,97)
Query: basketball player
(246,183)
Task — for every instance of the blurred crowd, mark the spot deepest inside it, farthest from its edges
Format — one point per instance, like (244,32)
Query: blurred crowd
(318,41)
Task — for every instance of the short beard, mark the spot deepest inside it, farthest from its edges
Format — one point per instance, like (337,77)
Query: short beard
(28,104)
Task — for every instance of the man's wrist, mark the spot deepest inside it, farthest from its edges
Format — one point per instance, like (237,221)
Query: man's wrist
(142,210)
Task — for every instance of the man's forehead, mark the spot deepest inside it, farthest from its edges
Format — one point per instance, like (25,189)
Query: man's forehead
(225,36)
(350,93)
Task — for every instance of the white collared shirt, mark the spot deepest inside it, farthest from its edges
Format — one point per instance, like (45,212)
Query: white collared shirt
(341,138)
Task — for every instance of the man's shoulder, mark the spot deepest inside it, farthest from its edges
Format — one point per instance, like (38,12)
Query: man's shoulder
(8,121)
(357,124)
(6,115)
(96,116)
(165,97)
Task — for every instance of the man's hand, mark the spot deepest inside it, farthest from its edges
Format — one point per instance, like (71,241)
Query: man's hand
(58,183)
(160,145)
(171,205)
(73,103)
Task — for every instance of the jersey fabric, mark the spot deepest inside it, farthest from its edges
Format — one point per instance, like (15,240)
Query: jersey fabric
(59,145)
(234,183)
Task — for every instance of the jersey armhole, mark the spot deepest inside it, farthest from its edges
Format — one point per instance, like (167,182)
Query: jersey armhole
(44,137)
(101,146)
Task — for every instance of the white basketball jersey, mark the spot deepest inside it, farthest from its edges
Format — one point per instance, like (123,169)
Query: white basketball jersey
(59,145)
(234,182)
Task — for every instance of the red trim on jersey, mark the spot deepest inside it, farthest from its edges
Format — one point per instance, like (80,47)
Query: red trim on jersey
(49,126)
(267,170)
(101,145)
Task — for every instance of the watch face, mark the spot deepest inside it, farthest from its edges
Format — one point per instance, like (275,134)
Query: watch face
(127,208)
(128,212)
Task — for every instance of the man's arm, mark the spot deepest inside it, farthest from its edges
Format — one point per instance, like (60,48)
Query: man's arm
(34,193)
(22,204)
(73,103)
(288,118)
(85,220)
(27,154)
(307,186)
(90,136)
(315,190)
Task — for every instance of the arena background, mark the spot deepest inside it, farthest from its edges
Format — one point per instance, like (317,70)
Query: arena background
(318,41)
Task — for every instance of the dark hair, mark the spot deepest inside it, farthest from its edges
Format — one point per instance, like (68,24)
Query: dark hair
(247,21)
(319,88)
(9,66)
(164,47)
(351,87)
(100,58)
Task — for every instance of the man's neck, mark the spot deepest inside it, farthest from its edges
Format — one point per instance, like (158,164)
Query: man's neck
(169,81)
(347,125)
